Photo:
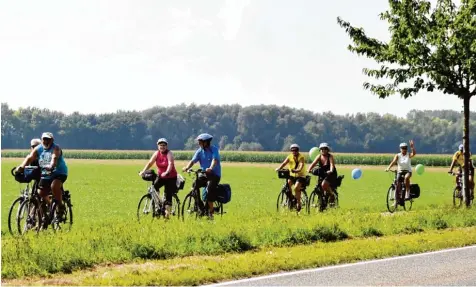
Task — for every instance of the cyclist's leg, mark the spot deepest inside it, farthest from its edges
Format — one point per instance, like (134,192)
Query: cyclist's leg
(407,185)
(57,190)
(300,182)
(326,187)
(212,186)
(291,182)
(170,188)
(44,188)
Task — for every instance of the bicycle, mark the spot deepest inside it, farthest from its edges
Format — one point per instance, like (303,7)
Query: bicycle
(320,199)
(39,215)
(152,203)
(458,197)
(29,174)
(192,203)
(284,202)
(399,195)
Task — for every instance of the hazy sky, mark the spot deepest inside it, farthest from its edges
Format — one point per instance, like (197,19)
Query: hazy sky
(101,56)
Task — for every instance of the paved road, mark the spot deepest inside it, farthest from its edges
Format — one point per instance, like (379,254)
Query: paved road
(446,267)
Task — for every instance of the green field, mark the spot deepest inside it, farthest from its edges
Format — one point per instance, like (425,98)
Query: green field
(105,231)
(245,156)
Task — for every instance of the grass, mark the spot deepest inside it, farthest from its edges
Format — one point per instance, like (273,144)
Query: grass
(105,196)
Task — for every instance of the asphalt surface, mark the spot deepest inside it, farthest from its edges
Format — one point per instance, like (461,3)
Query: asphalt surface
(450,267)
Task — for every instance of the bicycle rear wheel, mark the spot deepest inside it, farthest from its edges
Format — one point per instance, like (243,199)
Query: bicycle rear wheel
(457,197)
(12,214)
(64,221)
(304,199)
(29,216)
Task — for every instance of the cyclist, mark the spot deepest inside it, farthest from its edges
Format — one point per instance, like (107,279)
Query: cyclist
(167,174)
(296,164)
(327,170)
(458,158)
(54,170)
(209,157)
(404,163)
(33,144)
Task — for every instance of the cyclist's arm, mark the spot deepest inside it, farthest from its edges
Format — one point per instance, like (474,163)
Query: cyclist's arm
(55,156)
(413,153)
(300,165)
(215,158)
(394,161)
(313,164)
(283,163)
(171,160)
(192,162)
(151,161)
(30,157)
(333,164)
(452,165)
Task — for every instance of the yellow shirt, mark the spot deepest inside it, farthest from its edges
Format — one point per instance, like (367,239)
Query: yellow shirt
(293,164)
(459,158)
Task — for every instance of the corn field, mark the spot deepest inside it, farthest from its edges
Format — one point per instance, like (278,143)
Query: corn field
(238,156)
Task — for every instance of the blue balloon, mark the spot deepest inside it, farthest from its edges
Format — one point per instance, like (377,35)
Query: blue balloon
(356,173)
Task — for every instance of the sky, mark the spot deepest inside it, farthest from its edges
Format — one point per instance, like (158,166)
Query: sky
(100,56)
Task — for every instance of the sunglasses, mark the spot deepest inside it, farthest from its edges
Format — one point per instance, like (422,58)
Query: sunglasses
(161,144)
(404,148)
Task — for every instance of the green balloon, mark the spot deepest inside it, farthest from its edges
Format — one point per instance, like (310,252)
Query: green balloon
(420,169)
(313,153)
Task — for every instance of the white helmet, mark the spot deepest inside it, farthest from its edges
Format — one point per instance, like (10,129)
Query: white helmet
(162,140)
(294,146)
(403,145)
(35,142)
(461,147)
(324,145)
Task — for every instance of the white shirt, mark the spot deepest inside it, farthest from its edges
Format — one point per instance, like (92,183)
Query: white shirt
(404,162)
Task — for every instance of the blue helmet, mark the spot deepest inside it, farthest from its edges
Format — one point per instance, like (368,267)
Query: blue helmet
(204,137)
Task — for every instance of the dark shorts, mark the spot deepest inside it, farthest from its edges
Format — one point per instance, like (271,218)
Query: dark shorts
(45,183)
(170,187)
(212,187)
(299,179)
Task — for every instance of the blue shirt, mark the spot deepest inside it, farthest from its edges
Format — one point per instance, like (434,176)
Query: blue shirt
(44,159)
(205,157)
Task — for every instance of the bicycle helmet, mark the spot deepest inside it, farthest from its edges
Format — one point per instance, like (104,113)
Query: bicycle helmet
(403,145)
(162,140)
(204,137)
(35,142)
(324,145)
(294,146)
(461,147)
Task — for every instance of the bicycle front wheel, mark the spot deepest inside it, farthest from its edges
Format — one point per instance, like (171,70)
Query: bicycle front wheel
(145,207)
(175,210)
(282,202)
(391,199)
(313,202)
(189,207)
(29,216)
(12,214)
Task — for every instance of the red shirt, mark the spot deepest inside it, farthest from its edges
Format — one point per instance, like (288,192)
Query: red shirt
(163,163)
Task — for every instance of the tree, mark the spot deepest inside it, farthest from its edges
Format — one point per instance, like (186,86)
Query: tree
(430,48)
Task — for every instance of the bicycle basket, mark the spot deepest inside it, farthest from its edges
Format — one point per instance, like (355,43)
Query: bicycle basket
(339,180)
(180,182)
(283,173)
(149,175)
(28,175)
(316,171)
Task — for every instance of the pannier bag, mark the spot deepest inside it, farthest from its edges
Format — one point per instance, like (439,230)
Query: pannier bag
(414,191)
(180,182)
(339,180)
(224,193)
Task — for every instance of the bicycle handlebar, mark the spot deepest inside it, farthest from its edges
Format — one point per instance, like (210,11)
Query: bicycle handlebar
(27,167)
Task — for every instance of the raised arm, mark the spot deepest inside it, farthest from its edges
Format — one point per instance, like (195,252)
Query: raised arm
(412,146)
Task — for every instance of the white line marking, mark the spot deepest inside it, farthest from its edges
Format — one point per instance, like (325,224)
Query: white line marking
(282,274)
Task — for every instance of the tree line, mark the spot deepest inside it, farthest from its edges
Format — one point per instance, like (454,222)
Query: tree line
(252,128)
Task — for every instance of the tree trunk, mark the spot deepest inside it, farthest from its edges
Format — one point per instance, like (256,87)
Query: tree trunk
(466,191)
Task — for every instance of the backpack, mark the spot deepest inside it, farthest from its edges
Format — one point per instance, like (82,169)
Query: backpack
(414,191)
